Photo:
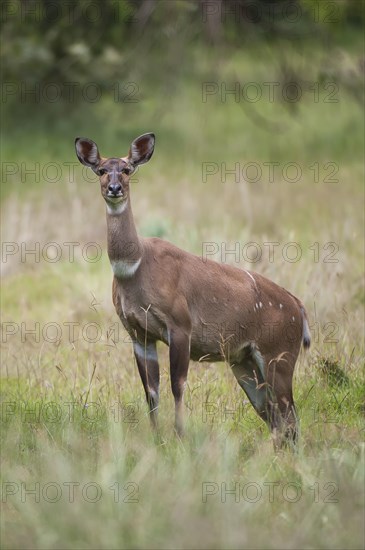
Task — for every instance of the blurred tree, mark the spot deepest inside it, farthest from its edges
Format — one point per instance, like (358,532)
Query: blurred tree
(52,41)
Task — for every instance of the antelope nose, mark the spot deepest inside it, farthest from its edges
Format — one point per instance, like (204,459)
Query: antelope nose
(115,188)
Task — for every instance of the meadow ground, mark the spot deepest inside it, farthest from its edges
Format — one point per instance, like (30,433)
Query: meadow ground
(80,467)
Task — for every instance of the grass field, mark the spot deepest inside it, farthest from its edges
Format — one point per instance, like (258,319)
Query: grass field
(80,467)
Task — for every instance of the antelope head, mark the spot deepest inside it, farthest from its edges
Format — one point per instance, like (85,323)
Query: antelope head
(115,172)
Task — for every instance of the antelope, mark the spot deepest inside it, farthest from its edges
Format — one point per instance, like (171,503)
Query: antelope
(203,310)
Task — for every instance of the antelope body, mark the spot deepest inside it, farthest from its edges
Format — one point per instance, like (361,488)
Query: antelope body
(203,310)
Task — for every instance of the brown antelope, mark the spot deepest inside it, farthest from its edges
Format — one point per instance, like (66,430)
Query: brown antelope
(203,310)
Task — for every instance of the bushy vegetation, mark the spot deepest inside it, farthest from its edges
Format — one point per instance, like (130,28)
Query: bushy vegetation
(81,41)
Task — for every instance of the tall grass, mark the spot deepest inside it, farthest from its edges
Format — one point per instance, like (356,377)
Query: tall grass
(73,409)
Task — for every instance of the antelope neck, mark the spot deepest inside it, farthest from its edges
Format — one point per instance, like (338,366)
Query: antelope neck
(124,245)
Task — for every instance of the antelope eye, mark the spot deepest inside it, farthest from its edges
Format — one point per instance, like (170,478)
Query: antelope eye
(102,171)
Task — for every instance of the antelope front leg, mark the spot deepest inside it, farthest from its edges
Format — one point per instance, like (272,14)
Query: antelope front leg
(179,365)
(147,362)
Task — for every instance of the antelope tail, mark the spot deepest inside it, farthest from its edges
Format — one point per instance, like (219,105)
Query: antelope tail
(306,331)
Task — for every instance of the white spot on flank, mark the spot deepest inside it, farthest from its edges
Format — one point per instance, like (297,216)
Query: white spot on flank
(257,306)
(260,304)
(270,304)
(125,268)
(249,274)
(293,318)
(281,306)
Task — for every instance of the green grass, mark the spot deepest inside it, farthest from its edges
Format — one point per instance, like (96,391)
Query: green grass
(73,409)
(176,482)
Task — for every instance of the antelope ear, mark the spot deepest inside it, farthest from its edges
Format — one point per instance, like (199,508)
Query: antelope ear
(141,149)
(87,152)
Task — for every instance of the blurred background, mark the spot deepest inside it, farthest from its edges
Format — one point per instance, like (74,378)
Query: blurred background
(257,107)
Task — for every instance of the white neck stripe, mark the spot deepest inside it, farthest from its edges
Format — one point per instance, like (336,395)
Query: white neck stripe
(116,208)
(123,269)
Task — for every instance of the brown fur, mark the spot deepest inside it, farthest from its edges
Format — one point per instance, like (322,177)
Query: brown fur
(204,311)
